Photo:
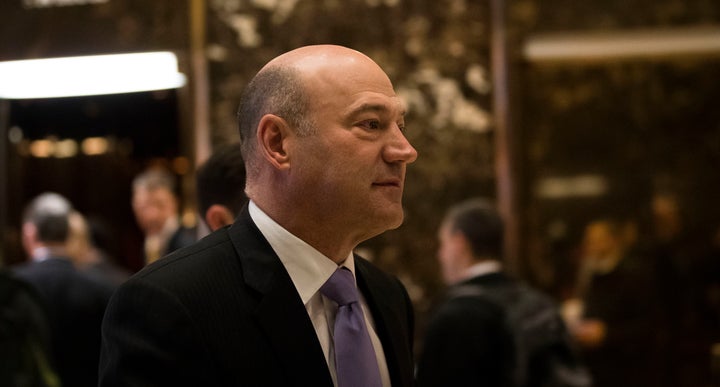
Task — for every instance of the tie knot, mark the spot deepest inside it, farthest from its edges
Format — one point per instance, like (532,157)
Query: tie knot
(340,287)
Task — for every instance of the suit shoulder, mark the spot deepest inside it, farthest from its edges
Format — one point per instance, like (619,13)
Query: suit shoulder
(207,255)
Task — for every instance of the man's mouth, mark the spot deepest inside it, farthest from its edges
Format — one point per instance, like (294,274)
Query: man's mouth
(388,183)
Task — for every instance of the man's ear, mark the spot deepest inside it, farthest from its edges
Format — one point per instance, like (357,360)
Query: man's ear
(218,216)
(272,133)
(29,237)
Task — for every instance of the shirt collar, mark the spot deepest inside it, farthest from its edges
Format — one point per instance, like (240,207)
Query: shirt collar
(307,267)
(42,253)
(481,268)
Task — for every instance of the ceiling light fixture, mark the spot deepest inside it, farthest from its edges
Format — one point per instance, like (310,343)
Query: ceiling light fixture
(89,75)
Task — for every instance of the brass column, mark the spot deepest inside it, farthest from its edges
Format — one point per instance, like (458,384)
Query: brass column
(506,137)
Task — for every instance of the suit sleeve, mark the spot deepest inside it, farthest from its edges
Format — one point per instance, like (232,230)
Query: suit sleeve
(148,340)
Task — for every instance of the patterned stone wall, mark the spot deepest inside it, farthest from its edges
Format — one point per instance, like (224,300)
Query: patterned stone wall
(111,27)
(647,126)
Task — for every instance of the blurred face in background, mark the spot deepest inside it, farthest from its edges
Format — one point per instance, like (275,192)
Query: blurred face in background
(667,221)
(598,240)
(454,253)
(153,208)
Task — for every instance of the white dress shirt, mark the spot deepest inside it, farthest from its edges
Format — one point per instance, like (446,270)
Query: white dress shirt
(309,270)
(42,253)
(480,268)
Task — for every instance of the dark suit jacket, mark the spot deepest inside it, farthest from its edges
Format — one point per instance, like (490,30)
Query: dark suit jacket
(224,312)
(495,331)
(25,337)
(467,342)
(182,237)
(624,301)
(75,304)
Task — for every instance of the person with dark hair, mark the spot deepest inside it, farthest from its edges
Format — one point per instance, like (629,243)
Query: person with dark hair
(615,315)
(491,330)
(75,302)
(156,207)
(221,186)
(279,298)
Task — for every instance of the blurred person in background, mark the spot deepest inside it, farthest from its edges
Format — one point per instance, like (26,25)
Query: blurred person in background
(681,254)
(615,314)
(155,204)
(75,302)
(490,329)
(221,186)
(85,250)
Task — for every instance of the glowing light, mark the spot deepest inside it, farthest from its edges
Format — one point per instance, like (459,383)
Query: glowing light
(42,148)
(93,146)
(65,149)
(58,3)
(614,45)
(558,187)
(89,75)
(15,135)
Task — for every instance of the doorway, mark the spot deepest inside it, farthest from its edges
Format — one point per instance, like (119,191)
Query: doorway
(88,149)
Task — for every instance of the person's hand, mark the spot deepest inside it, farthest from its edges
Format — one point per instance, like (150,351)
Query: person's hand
(589,333)
(571,311)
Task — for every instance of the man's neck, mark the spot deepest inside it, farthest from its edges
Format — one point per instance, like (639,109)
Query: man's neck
(329,242)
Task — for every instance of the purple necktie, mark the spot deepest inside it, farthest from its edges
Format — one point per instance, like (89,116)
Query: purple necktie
(355,361)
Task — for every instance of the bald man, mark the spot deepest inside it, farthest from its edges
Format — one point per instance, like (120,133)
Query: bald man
(322,139)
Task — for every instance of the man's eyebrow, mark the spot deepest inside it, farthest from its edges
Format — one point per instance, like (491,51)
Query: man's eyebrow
(374,107)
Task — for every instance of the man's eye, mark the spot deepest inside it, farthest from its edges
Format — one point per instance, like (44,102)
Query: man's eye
(372,124)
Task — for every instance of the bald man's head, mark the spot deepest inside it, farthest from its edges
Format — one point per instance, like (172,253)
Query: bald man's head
(281,88)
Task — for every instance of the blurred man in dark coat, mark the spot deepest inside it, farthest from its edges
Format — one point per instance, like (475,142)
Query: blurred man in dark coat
(491,330)
(76,303)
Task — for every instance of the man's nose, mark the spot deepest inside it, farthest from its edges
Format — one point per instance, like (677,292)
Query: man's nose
(399,148)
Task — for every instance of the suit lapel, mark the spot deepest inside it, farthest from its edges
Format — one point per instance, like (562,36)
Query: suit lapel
(280,312)
(389,323)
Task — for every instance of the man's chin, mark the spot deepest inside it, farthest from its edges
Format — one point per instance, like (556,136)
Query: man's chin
(386,215)
(395,220)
